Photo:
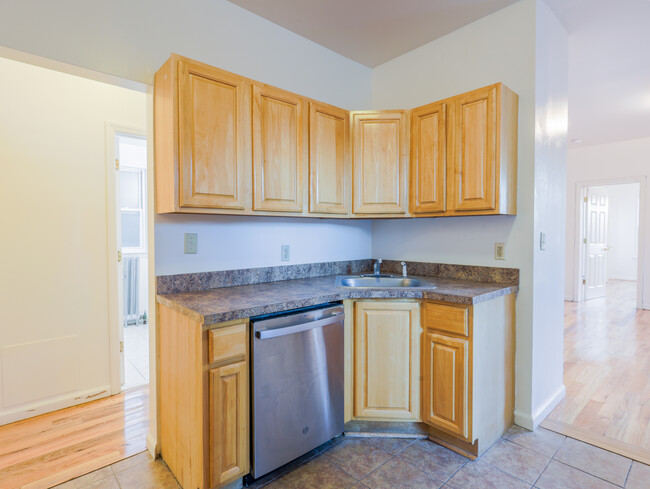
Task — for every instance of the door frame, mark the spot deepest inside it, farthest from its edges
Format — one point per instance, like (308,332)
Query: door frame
(580,222)
(112,201)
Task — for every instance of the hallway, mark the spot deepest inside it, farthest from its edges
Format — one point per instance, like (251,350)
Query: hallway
(606,373)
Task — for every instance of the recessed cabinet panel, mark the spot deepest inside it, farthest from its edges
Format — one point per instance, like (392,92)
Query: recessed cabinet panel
(211,137)
(445,390)
(278,145)
(387,360)
(429,159)
(229,457)
(474,158)
(329,162)
(380,147)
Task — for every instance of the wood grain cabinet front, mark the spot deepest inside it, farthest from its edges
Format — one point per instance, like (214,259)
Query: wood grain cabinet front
(379,155)
(387,360)
(280,131)
(329,159)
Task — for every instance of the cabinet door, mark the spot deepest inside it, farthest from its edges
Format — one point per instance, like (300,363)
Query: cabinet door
(379,162)
(387,360)
(329,167)
(213,136)
(429,159)
(279,149)
(229,442)
(474,156)
(446,384)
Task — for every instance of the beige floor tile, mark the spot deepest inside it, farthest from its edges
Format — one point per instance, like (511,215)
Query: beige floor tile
(596,461)
(517,460)
(639,477)
(140,458)
(478,474)
(318,473)
(560,476)
(152,475)
(110,483)
(88,479)
(393,445)
(436,460)
(540,440)
(276,484)
(397,474)
(357,456)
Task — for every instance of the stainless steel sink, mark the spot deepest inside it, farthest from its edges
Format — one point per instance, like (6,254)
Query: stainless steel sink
(381,281)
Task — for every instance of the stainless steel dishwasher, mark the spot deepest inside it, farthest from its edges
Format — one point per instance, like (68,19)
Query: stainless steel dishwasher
(297,383)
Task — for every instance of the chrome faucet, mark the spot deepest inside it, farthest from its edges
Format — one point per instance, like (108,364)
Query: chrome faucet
(403,268)
(377,267)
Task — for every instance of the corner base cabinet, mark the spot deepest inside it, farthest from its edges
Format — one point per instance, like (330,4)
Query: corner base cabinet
(204,400)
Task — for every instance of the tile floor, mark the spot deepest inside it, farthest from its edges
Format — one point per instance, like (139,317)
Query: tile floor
(136,355)
(521,459)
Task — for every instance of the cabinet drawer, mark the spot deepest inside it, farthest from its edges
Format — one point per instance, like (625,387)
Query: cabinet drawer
(450,319)
(227,343)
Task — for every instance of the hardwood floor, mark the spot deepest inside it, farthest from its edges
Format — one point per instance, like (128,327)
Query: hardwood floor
(46,450)
(607,373)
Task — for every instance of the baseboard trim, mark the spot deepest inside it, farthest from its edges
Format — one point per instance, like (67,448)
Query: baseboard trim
(53,404)
(152,445)
(530,422)
(627,450)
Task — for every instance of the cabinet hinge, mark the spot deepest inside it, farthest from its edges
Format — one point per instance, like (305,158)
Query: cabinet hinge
(121,347)
(584,282)
(117,164)
(586,199)
(584,241)
(119,256)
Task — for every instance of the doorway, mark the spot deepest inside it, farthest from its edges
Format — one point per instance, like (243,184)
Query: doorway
(131,165)
(610,239)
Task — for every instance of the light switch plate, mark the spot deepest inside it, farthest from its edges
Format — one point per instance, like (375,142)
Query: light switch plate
(285,251)
(191,241)
(499,251)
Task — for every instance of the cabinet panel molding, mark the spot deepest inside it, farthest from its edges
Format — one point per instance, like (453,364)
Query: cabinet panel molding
(429,158)
(329,159)
(279,132)
(380,148)
(387,360)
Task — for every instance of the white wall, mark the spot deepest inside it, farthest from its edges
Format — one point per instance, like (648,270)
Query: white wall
(623,230)
(551,124)
(497,48)
(54,332)
(230,242)
(607,163)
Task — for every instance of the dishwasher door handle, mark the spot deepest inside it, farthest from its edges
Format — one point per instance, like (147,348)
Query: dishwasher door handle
(298,328)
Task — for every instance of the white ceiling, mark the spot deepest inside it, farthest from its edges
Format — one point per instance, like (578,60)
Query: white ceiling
(609,47)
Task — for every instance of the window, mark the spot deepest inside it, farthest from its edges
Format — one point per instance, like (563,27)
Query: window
(132,209)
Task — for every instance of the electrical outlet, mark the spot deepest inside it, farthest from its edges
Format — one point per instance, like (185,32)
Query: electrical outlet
(499,251)
(191,240)
(285,252)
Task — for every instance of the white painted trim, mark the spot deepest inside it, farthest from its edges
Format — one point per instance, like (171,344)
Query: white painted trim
(152,445)
(531,422)
(112,232)
(579,291)
(54,403)
(62,67)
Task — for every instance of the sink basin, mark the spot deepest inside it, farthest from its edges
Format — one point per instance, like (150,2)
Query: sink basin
(368,281)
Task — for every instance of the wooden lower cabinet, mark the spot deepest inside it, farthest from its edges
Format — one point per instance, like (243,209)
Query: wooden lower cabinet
(445,388)
(229,441)
(204,399)
(387,360)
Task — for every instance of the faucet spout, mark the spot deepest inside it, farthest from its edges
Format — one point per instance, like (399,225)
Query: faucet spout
(377,267)
(403,268)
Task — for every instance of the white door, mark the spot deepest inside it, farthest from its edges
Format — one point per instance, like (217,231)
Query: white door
(595,279)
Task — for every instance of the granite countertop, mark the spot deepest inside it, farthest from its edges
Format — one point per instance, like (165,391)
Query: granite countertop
(229,303)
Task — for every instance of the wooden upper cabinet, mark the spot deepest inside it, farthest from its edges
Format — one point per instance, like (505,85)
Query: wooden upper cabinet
(429,159)
(329,159)
(279,149)
(380,148)
(212,116)
(482,175)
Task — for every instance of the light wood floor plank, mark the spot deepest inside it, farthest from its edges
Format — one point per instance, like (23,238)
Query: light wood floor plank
(52,448)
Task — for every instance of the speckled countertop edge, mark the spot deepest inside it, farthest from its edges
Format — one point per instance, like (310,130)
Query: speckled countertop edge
(230,303)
